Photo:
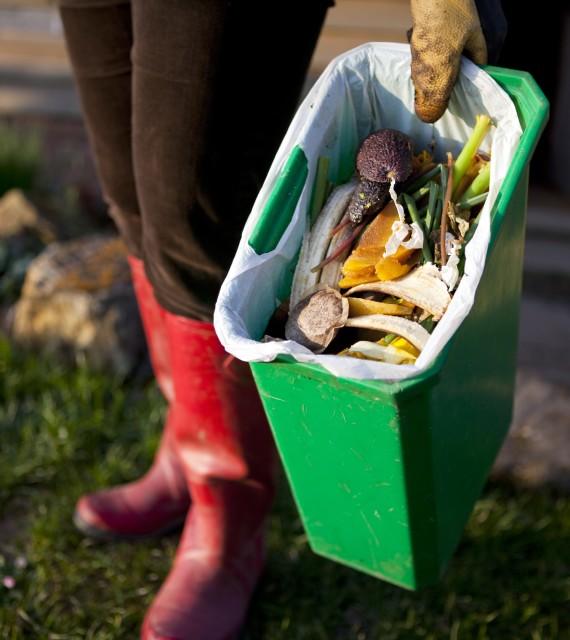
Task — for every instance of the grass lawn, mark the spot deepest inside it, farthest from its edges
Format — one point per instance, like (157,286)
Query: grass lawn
(63,432)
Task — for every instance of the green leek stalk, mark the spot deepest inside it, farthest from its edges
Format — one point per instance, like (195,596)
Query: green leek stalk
(479,185)
(482,126)
(411,204)
(437,214)
(420,193)
(430,215)
(422,180)
(468,236)
(474,201)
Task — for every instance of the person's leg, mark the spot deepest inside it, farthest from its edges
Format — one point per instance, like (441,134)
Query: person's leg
(99,41)
(215,89)
(175,57)
(213,93)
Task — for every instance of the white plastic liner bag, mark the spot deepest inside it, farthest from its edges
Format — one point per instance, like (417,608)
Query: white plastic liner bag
(363,90)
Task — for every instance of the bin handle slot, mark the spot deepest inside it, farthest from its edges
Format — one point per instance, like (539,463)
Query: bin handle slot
(281,203)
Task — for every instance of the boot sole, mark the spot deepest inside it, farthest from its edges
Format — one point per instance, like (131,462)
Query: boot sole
(106,535)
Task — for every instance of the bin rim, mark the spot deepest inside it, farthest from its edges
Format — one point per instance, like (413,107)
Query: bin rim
(533,110)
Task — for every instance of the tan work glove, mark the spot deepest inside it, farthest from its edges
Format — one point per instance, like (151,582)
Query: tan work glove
(441,31)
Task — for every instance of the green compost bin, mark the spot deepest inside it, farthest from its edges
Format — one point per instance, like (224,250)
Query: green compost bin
(385,475)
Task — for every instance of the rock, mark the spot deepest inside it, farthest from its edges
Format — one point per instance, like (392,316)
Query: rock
(78,301)
(91,264)
(537,450)
(18,215)
(23,235)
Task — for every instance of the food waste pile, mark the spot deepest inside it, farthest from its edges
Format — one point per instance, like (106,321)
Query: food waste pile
(386,251)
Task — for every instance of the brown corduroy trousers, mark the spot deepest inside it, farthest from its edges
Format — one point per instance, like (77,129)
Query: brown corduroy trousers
(186,102)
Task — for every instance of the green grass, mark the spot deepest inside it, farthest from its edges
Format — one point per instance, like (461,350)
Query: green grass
(64,432)
(19,159)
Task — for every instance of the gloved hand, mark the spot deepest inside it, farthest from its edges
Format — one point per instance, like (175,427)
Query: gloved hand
(442,30)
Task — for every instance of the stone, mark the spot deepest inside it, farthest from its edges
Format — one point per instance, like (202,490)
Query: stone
(23,235)
(90,264)
(78,302)
(537,450)
(18,215)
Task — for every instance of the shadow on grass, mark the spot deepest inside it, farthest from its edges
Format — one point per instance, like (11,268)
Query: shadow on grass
(508,579)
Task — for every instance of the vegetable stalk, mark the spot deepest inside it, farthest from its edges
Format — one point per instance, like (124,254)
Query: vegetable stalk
(446,201)
(410,203)
(437,214)
(468,236)
(420,193)
(482,126)
(479,185)
(474,201)
(430,214)
(421,180)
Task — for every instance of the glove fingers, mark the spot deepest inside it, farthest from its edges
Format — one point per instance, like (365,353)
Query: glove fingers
(435,67)
(476,47)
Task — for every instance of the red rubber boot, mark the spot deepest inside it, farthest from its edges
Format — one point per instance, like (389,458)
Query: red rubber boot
(227,452)
(159,501)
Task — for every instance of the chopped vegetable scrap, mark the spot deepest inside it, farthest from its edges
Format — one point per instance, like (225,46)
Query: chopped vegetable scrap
(315,320)
(384,155)
(378,268)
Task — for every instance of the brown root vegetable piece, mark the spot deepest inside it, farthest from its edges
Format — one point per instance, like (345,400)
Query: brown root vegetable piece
(316,319)
(384,155)
(368,199)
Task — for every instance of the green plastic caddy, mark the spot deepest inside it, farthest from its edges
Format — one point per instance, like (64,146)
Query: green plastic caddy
(385,475)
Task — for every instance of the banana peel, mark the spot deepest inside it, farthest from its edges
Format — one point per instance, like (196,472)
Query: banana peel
(317,243)
(413,332)
(362,307)
(367,350)
(423,287)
